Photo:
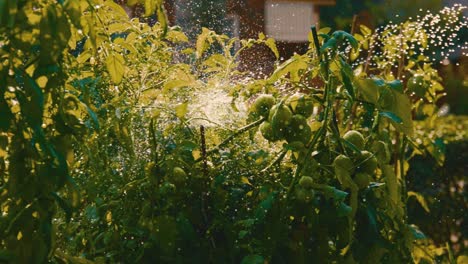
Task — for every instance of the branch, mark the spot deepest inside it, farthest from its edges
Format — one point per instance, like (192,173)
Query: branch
(277,160)
(236,133)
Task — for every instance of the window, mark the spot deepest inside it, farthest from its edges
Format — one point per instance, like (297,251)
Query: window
(288,21)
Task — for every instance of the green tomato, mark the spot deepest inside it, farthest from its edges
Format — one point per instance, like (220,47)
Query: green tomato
(280,118)
(362,180)
(355,137)
(387,99)
(304,195)
(381,151)
(367,162)
(267,132)
(167,188)
(343,163)
(262,106)
(301,104)
(179,177)
(298,130)
(306,182)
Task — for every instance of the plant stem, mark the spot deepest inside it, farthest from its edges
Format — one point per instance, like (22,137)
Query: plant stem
(277,160)
(316,41)
(321,132)
(232,136)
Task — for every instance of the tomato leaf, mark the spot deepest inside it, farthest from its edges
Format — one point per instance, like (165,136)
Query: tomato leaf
(181,110)
(391,116)
(367,90)
(253,259)
(272,45)
(421,200)
(115,66)
(396,85)
(64,205)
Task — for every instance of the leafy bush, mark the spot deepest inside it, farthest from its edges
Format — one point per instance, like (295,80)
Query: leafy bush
(154,154)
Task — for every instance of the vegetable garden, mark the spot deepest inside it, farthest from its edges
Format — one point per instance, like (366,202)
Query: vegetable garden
(122,142)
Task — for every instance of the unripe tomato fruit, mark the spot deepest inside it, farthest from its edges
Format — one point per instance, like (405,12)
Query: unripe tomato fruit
(280,118)
(367,162)
(355,137)
(306,182)
(343,163)
(362,180)
(301,104)
(262,105)
(267,132)
(298,130)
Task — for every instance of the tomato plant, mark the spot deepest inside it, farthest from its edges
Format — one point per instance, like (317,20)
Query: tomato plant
(154,148)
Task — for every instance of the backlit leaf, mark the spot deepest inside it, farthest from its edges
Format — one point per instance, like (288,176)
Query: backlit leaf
(115,66)
(367,90)
(420,198)
(181,109)
(272,45)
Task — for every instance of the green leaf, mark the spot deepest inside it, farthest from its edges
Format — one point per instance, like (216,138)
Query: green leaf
(3,12)
(116,9)
(391,116)
(215,63)
(462,259)
(253,259)
(84,56)
(365,30)
(340,35)
(12,11)
(150,7)
(332,193)
(203,41)
(265,206)
(176,36)
(391,182)
(178,83)
(92,114)
(6,256)
(54,34)
(402,108)
(116,67)
(6,116)
(350,146)
(372,218)
(181,109)
(396,85)
(437,150)
(420,198)
(367,90)
(162,19)
(292,67)
(31,98)
(188,145)
(242,234)
(64,205)
(165,232)
(346,75)
(344,210)
(91,213)
(329,44)
(416,232)
(272,45)
(324,30)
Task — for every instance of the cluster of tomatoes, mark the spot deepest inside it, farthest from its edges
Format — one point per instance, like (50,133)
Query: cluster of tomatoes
(285,120)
